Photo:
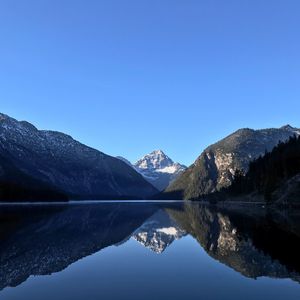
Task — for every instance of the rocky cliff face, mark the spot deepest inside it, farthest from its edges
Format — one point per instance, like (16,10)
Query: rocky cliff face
(216,166)
(62,162)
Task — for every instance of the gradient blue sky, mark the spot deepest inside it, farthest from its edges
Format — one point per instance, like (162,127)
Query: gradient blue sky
(127,77)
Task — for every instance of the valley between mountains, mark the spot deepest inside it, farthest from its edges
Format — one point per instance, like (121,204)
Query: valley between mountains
(44,165)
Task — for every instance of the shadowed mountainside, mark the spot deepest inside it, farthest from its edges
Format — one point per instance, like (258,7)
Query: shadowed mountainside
(275,177)
(58,161)
(215,168)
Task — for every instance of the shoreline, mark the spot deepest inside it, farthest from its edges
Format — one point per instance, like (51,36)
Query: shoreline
(81,202)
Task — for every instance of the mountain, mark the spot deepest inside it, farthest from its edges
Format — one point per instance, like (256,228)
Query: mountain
(159,169)
(215,167)
(125,160)
(15,185)
(59,161)
(158,232)
(275,176)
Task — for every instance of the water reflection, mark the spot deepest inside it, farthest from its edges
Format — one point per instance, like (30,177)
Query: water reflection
(43,240)
(254,242)
(158,232)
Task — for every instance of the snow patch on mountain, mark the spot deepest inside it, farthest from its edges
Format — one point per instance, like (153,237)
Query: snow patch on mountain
(170,169)
(157,168)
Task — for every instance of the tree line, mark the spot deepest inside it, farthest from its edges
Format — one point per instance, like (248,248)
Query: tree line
(268,172)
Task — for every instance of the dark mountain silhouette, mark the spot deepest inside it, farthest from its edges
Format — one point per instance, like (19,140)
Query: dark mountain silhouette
(274,176)
(67,166)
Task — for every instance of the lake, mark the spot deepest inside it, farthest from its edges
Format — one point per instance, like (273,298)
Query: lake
(132,250)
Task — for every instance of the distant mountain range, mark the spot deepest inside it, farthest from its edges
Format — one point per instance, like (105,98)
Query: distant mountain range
(215,168)
(54,161)
(157,168)
(48,165)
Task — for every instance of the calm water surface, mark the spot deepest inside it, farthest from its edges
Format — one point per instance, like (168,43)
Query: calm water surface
(148,251)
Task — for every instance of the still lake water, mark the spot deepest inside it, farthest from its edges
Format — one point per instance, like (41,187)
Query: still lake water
(148,251)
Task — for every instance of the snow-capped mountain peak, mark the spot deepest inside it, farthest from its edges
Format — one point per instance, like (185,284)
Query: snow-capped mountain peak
(155,160)
(159,169)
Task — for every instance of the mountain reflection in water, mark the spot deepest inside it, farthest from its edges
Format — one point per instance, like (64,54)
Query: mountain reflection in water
(43,240)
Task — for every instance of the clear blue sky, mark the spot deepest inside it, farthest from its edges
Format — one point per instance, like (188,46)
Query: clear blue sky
(127,77)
